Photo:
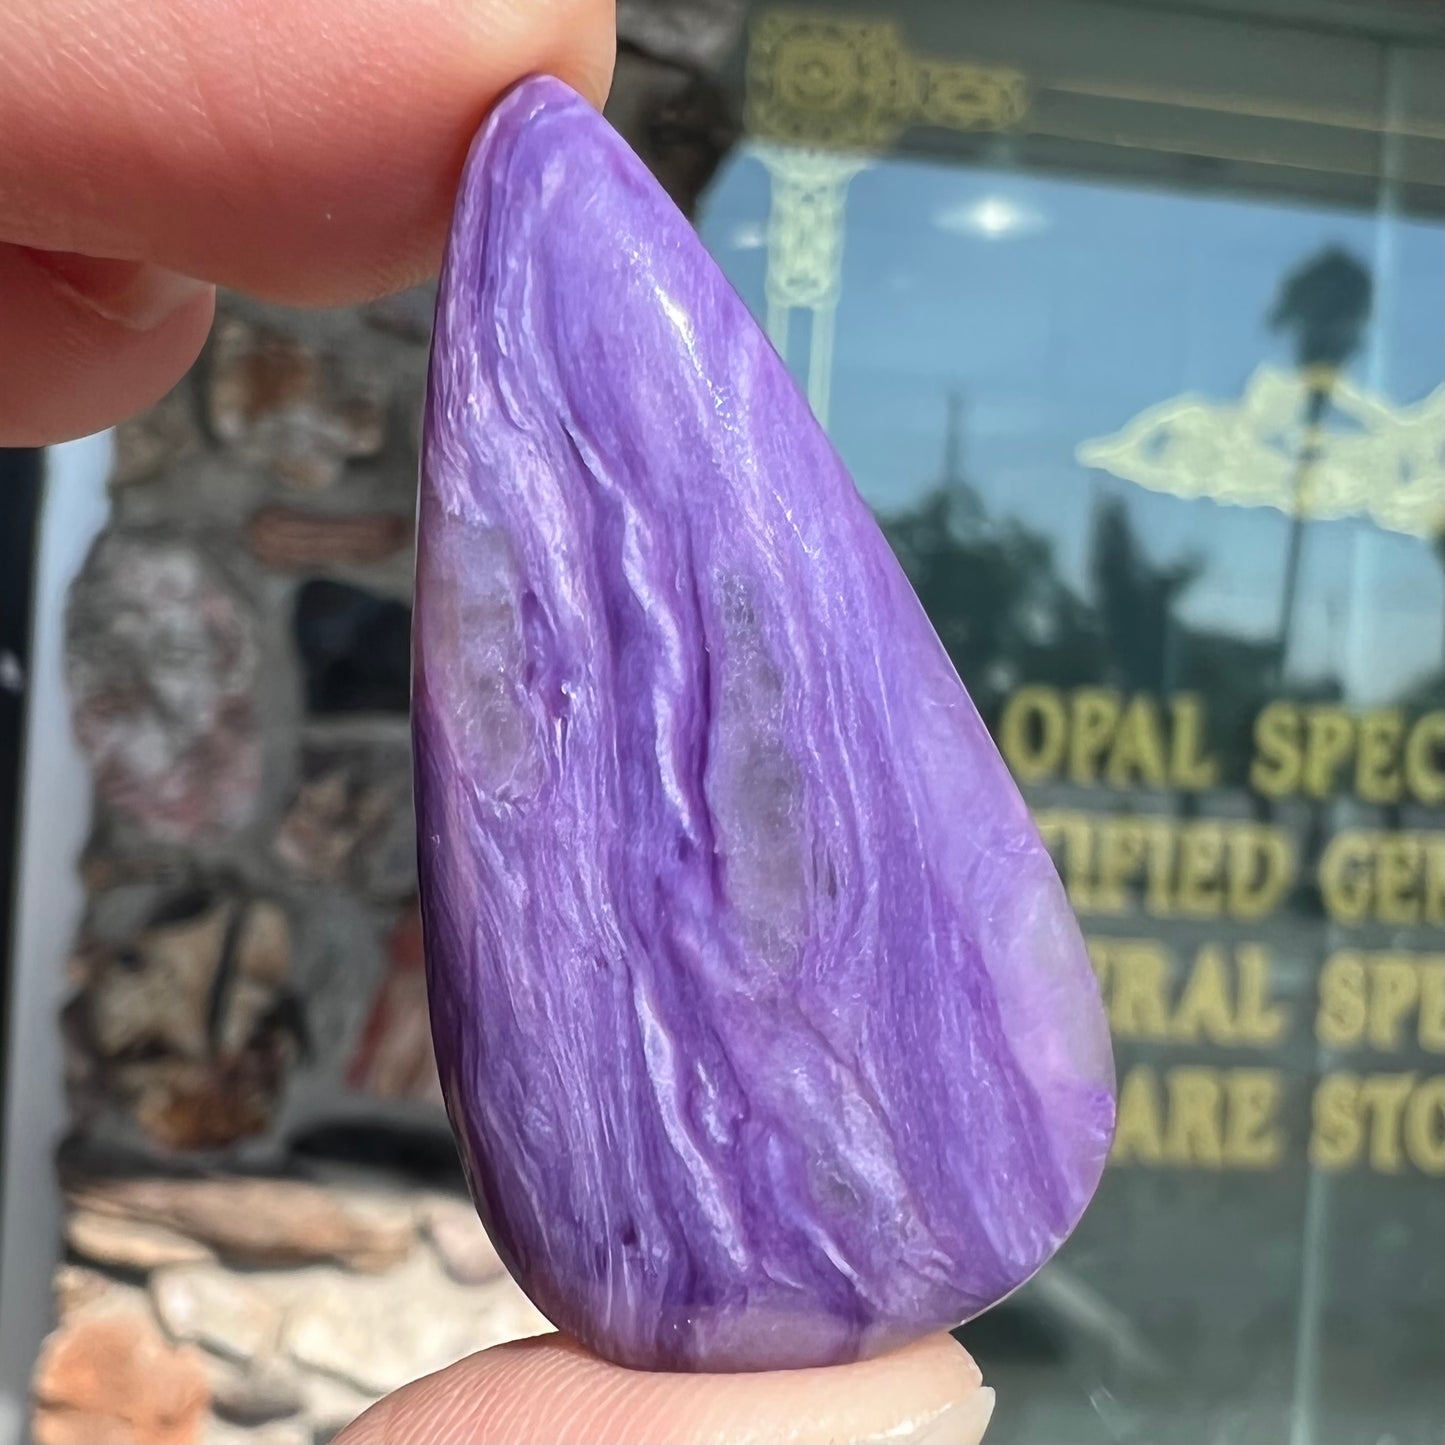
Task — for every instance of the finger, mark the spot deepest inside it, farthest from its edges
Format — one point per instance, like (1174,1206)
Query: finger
(549,1389)
(84,343)
(301,150)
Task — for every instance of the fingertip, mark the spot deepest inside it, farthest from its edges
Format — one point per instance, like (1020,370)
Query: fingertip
(131,294)
(548,1389)
(88,343)
(325,167)
(583,51)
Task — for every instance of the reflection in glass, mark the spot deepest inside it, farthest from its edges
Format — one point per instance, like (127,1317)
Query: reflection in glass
(1142,371)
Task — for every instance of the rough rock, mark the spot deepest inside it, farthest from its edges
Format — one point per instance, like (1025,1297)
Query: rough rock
(377,1333)
(667,98)
(260,968)
(221,1431)
(332,1405)
(389,1209)
(269,1388)
(129,1243)
(351,820)
(158,439)
(255,1221)
(103,871)
(216,1308)
(158,995)
(111,1377)
(394,1058)
(161,660)
(192,1021)
(188,1105)
(467,1254)
(78,1289)
(273,401)
(290,540)
(263,944)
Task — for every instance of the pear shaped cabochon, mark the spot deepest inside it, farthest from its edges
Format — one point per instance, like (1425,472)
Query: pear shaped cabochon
(764,1025)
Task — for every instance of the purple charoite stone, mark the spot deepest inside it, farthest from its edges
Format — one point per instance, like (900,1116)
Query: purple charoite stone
(764,1026)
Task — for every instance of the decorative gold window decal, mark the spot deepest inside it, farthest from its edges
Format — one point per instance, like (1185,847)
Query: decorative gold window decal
(823,95)
(805,252)
(1368,458)
(820,80)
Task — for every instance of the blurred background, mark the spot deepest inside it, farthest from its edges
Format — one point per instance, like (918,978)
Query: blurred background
(1129,318)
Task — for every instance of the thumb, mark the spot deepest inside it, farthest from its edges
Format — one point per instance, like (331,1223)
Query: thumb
(549,1389)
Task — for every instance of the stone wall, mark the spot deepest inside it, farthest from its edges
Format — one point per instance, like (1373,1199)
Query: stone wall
(237,659)
(266,1226)
(223,1307)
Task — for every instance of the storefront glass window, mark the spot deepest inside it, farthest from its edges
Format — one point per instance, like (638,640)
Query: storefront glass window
(1128,320)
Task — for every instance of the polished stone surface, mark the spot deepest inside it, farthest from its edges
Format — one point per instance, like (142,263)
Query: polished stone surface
(766,1030)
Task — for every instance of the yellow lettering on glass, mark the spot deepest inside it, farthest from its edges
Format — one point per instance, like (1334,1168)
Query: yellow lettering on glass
(1121,854)
(1432,1003)
(1308,750)
(1252,1139)
(1095,735)
(1384,1001)
(1194,1133)
(1138,752)
(1396,995)
(1205,1011)
(1424,776)
(1139,1132)
(1134,979)
(1096,715)
(1201,874)
(1275,770)
(1386,1120)
(1199,1118)
(1336,1136)
(1329,741)
(1383,1098)
(1396,878)
(1202,869)
(1425,1126)
(1191,769)
(1260,869)
(1378,776)
(1033,733)
(1343,1009)
(1224,1001)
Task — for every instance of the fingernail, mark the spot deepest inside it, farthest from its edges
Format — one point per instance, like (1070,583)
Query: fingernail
(134,294)
(960,1424)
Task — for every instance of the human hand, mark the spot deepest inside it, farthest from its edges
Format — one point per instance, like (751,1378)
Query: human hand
(304,151)
(549,1389)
